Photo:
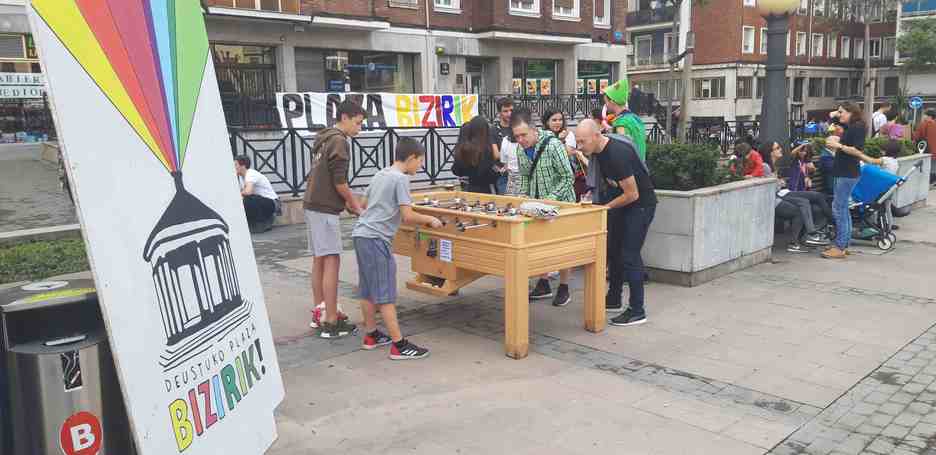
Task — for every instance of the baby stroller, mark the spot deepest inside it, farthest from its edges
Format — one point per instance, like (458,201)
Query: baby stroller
(869,209)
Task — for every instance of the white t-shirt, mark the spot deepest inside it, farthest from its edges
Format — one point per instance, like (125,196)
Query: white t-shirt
(261,184)
(570,139)
(890,165)
(877,121)
(508,155)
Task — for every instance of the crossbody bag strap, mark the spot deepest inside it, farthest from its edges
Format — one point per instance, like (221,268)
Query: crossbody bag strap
(539,153)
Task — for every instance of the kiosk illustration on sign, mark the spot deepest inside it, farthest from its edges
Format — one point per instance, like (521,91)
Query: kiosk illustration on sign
(170,251)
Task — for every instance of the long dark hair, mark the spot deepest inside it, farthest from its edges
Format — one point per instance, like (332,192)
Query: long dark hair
(548,115)
(857,115)
(474,141)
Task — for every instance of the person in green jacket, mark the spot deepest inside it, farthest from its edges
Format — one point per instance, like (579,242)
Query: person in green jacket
(622,120)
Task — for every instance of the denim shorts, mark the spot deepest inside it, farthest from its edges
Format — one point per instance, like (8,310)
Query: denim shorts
(376,271)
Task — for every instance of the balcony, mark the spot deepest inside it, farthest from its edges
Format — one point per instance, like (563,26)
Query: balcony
(290,7)
(654,16)
(919,8)
(646,62)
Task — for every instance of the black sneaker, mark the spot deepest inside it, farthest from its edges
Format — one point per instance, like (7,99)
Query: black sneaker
(339,329)
(816,239)
(404,350)
(612,306)
(563,297)
(796,248)
(541,291)
(628,318)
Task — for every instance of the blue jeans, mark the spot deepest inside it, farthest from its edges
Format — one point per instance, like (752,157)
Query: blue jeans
(843,221)
(501,185)
(627,230)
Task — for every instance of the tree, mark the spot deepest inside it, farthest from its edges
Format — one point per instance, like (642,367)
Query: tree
(917,44)
(687,69)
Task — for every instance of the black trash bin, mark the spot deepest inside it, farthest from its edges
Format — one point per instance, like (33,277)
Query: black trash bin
(60,389)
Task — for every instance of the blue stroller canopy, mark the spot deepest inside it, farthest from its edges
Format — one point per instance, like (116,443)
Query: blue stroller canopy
(873,182)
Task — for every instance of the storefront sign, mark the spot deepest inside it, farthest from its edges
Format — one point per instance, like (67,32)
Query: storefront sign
(21,85)
(383,110)
(175,271)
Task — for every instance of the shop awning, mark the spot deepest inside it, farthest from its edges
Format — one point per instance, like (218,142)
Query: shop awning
(258,14)
(349,24)
(533,38)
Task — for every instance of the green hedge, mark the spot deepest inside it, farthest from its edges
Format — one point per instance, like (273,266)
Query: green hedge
(39,260)
(686,167)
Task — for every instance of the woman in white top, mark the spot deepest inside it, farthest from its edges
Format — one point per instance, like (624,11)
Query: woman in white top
(554,121)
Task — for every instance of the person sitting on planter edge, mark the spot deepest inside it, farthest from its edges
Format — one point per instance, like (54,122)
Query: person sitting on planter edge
(624,186)
(260,200)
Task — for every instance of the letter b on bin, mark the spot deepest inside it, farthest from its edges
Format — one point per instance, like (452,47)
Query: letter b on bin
(59,387)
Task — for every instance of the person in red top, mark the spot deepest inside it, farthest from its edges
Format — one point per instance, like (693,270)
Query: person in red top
(926,131)
(753,162)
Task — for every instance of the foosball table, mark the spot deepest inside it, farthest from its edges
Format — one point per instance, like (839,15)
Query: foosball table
(485,234)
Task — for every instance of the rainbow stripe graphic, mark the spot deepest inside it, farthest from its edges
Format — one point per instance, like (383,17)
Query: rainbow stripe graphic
(147,56)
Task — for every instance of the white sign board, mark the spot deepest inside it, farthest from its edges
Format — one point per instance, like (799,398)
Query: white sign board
(139,117)
(382,110)
(21,85)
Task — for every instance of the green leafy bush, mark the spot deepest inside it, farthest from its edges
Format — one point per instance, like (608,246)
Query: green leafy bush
(873,147)
(686,167)
(38,260)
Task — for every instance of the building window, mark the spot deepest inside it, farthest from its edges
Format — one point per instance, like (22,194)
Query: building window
(525,7)
(12,47)
(603,13)
(745,89)
(328,70)
(750,2)
(819,7)
(843,87)
(761,83)
(534,77)
(831,87)
(798,89)
(594,76)
(747,40)
(891,86)
(787,43)
(708,88)
(815,87)
(846,47)
(833,45)
(855,87)
(763,41)
(817,43)
(447,6)
(669,47)
(644,49)
(800,43)
(876,14)
(859,49)
(804,7)
(874,48)
(566,9)
(890,47)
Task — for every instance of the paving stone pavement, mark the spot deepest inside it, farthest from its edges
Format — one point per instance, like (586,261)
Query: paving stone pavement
(891,411)
(30,196)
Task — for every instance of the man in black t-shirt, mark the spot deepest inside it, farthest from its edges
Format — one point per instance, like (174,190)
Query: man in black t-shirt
(625,188)
(501,129)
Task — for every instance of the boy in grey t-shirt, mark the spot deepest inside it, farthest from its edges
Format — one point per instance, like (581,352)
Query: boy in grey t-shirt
(388,203)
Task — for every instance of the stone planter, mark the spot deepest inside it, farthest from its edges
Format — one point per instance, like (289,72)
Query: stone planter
(700,235)
(914,192)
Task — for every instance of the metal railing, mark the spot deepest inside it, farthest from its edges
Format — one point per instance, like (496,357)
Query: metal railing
(285,156)
(651,16)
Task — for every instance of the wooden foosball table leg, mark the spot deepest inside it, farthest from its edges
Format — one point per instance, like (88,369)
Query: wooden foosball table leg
(595,317)
(516,305)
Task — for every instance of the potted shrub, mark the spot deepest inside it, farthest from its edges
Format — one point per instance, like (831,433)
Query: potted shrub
(913,193)
(709,222)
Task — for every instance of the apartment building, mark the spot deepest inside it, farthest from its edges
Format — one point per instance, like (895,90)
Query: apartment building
(824,56)
(454,46)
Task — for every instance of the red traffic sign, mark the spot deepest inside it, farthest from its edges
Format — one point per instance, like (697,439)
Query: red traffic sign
(81,434)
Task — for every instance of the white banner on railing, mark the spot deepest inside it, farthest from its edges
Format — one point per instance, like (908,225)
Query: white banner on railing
(383,110)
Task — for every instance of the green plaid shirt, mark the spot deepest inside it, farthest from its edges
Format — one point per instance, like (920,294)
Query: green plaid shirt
(553,178)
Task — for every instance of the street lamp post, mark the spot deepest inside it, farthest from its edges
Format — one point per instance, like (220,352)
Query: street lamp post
(775,124)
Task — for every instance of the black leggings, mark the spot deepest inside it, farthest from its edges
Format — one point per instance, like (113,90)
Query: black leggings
(258,208)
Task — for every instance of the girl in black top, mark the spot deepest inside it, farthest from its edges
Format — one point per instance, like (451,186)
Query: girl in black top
(474,157)
(846,170)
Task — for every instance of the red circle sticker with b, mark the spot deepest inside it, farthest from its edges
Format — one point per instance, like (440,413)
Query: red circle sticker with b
(81,434)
